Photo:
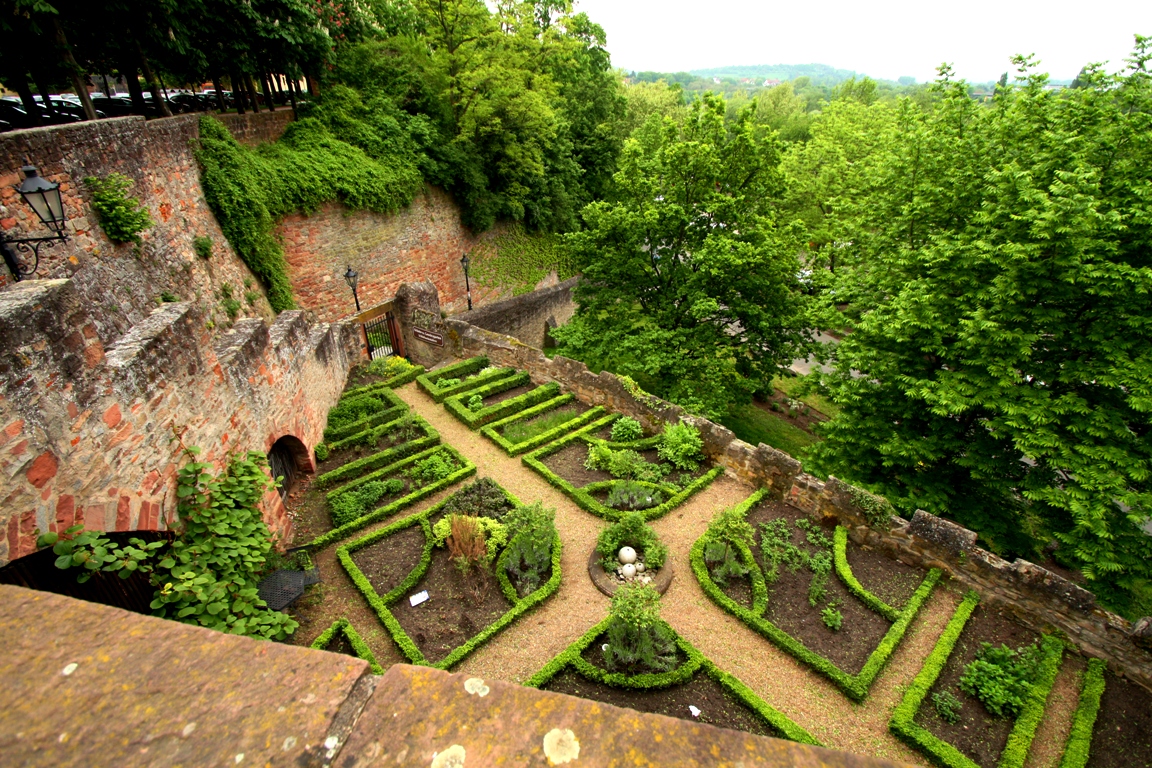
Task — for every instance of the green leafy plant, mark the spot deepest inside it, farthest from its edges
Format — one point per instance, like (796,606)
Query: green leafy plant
(631,531)
(121,217)
(168,298)
(518,260)
(682,446)
(432,468)
(493,533)
(529,554)
(482,498)
(475,403)
(629,495)
(444,383)
(877,511)
(626,429)
(832,618)
(947,706)
(321,452)
(523,431)
(389,367)
(354,503)
(208,574)
(625,463)
(251,297)
(637,640)
(1001,677)
(202,246)
(777,549)
(231,306)
(727,532)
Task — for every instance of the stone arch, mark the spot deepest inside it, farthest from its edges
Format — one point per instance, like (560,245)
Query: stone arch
(289,457)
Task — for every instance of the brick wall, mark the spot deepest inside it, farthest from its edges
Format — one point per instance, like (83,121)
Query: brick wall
(121,283)
(258,128)
(528,316)
(1038,597)
(421,242)
(86,427)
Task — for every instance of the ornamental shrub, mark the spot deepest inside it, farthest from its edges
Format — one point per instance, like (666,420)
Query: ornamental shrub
(433,467)
(725,534)
(947,706)
(475,403)
(637,640)
(322,452)
(681,445)
(353,409)
(359,501)
(208,574)
(493,533)
(631,531)
(1001,677)
(625,464)
(388,367)
(121,217)
(482,498)
(625,429)
(529,559)
(442,383)
(627,494)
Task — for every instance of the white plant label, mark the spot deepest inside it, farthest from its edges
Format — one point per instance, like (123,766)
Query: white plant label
(418,598)
(695,712)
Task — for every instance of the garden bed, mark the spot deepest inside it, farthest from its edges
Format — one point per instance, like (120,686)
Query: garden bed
(387,372)
(1122,737)
(493,407)
(459,377)
(540,424)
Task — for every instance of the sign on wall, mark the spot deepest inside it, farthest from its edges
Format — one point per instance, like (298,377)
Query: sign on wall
(427,327)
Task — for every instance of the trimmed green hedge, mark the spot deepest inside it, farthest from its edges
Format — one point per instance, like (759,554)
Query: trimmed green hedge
(844,572)
(903,723)
(456,406)
(492,430)
(373,434)
(855,686)
(395,408)
(1020,740)
(1084,721)
(584,499)
(380,603)
(572,657)
(346,530)
(392,383)
(353,637)
(383,458)
(463,369)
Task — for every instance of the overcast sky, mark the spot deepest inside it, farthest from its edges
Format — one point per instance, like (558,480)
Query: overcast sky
(880,38)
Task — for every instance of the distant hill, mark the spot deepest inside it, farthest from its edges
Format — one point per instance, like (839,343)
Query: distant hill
(820,74)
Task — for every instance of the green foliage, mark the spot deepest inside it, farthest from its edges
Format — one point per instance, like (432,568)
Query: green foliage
(389,367)
(321,452)
(445,383)
(844,571)
(626,429)
(431,468)
(121,217)
(168,298)
(359,647)
(502,430)
(681,445)
(230,305)
(877,511)
(777,549)
(1001,677)
(994,265)
(488,413)
(475,403)
(516,261)
(524,431)
(1079,744)
(628,495)
(208,575)
(352,409)
(726,534)
(832,618)
(530,551)
(494,532)
(754,425)
(631,531)
(947,706)
(353,504)
(637,640)
(202,245)
(1015,753)
(624,463)
(660,293)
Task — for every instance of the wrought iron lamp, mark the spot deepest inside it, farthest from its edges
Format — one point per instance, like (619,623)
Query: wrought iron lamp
(352,277)
(43,197)
(464,262)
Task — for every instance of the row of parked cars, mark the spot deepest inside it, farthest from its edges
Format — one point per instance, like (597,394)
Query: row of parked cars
(65,108)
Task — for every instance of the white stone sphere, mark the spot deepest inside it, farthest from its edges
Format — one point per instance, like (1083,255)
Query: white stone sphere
(628,570)
(627,555)
(639,567)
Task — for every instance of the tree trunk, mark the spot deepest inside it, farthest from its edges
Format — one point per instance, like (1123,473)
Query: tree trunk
(20,84)
(238,93)
(107,89)
(74,70)
(219,94)
(42,86)
(292,95)
(132,80)
(264,81)
(252,93)
(313,86)
(153,85)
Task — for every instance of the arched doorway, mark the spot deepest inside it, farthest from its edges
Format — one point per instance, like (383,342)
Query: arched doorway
(287,458)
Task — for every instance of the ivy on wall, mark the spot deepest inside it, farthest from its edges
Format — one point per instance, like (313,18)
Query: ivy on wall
(249,189)
(516,260)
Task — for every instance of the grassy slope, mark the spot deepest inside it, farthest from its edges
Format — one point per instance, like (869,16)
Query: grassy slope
(754,425)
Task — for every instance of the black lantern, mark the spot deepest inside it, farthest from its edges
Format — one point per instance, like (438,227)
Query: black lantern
(464,262)
(352,277)
(43,197)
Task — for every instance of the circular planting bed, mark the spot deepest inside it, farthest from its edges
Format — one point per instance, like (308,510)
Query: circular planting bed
(609,583)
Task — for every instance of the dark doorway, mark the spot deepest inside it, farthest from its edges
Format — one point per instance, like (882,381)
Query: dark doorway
(287,459)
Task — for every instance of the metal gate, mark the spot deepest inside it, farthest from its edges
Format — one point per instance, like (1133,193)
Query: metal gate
(381,332)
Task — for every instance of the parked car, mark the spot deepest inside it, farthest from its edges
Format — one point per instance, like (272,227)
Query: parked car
(18,117)
(114,106)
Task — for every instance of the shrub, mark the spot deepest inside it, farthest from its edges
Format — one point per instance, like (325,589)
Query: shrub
(626,429)
(526,430)
(483,498)
(431,468)
(353,409)
(121,217)
(947,706)
(832,618)
(202,246)
(725,534)
(321,452)
(637,640)
(625,464)
(530,552)
(475,403)
(631,531)
(627,494)
(493,535)
(681,445)
(356,502)
(389,367)
(1001,677)
(599,457)
(441,383)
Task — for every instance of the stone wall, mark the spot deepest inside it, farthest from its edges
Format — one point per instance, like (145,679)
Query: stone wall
(1038,597)
(121,284)
(258,128)
(421,242)
(529,316)
(88,429)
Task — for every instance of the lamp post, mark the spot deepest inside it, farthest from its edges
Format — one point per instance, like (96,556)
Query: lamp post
(43,197)
(464,262)
(351,277)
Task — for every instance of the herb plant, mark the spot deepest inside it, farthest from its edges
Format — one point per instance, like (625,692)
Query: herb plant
(947,706)
(529,559)
(625,429)
(832,618)
(637,640)
(681,445)
(630,531)
(1001,677)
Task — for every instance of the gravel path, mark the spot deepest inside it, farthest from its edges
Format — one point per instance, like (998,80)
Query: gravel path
(1051,736)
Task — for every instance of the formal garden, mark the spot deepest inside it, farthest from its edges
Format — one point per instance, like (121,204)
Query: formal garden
(469,519)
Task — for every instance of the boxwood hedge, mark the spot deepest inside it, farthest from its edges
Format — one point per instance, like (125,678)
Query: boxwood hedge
(392,383)
(344,627)
(1084,721)
(383,458)
(456,406)
(493,430)
(461,370)
(393,407)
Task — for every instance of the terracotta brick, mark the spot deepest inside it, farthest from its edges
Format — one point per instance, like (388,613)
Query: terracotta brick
(112,416)
(43,469)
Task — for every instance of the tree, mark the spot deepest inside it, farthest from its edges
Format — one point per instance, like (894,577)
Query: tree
(1001,369)
(689,284)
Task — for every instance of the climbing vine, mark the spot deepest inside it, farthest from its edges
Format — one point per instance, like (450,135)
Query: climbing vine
(249,189)
(208,574)
(516,260)
(121,217)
